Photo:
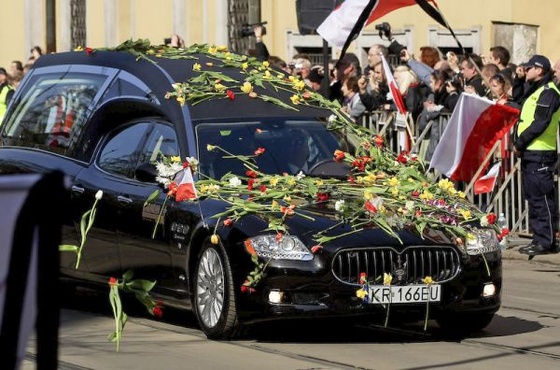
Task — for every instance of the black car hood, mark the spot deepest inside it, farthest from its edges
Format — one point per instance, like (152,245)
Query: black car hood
(317,218)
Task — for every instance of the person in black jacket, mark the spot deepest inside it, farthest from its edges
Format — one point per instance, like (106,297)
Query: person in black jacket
(373,88)
(444,98)
(261,51)
(470,67)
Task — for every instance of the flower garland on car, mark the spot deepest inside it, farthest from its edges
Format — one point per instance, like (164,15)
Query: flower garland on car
(384,189)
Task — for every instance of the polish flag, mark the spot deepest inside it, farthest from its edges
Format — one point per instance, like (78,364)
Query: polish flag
(473,129)
(395,92)
(486,183)
(185,185)
(338,25)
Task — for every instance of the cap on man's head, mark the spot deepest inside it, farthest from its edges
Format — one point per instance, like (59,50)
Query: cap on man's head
(538,61)
(3,71)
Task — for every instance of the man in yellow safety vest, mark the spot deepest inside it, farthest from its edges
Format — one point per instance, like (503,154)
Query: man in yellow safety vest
(535,144)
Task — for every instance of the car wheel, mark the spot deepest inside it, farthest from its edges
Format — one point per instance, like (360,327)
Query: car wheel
(464,323)
(214,294)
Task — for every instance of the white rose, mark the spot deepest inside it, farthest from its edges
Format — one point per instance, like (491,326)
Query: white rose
(339,205)
(234,182)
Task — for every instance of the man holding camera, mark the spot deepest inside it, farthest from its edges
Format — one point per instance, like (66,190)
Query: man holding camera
(261,50)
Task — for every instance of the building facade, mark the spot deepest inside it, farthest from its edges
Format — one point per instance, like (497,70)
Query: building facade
(525,27)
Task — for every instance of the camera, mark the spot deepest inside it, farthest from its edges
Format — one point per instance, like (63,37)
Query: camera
(247,29)
(384,30)
(294,65)
(455,81)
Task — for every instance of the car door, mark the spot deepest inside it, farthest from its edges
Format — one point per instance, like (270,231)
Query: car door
(142,232)
(112,172)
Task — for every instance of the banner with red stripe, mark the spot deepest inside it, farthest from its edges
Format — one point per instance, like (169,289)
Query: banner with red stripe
(473,129)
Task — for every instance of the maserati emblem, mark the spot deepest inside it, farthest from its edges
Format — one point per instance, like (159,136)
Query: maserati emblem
(399,270)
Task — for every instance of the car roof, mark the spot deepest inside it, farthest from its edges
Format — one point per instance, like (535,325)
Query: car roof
(159,73)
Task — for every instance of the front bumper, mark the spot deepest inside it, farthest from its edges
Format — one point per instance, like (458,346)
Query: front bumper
(315,292)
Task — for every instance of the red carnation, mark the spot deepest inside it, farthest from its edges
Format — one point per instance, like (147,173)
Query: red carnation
(259,151)
(378,140)
(157,312)
(339,155)
(246,287)
(322,197)
(370,207)
(491,218)
(113,281)
(228,222)
(89,51)
(250,184)
(230,95)
(402,158)
(251,173)
(316,248)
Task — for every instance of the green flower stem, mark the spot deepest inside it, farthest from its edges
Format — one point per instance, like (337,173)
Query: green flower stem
(388,308)
(159,216)
(427,308)
(85,225)
(486,264)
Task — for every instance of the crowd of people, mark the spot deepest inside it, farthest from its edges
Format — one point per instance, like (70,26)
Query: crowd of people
(11,77)
(431,84)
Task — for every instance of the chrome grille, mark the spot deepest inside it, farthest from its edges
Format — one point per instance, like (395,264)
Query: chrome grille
(441,263)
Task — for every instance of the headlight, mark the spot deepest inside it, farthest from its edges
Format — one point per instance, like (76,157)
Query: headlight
(481,241)
(288,248)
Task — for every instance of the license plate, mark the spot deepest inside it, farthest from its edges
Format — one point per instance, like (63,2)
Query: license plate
(383,294)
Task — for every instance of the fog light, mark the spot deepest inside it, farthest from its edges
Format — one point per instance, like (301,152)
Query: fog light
(275,296)
(489,290)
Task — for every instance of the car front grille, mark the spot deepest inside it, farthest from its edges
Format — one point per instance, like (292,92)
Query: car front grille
(409,266)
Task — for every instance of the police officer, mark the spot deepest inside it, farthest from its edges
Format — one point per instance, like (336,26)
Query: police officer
(6,92)
(535,144)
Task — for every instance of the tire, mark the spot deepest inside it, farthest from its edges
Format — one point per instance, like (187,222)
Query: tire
(214,293)
(463,323)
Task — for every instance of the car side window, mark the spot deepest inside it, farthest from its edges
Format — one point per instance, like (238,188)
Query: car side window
(161,142)
(51,115)
(123,149)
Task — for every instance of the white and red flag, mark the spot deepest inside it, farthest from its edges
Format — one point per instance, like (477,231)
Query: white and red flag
(486,183)
(393,87)
(473,129)
(185,185)
(338,26)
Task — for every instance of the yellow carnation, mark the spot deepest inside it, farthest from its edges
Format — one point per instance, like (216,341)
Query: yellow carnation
(247,87)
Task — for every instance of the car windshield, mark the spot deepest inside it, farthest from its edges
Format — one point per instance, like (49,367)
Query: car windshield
(290,146)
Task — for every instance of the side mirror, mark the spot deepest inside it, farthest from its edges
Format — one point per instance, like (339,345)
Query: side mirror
(146,172)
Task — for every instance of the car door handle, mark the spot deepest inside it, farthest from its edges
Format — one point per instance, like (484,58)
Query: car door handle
(77,189)
(123,199)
